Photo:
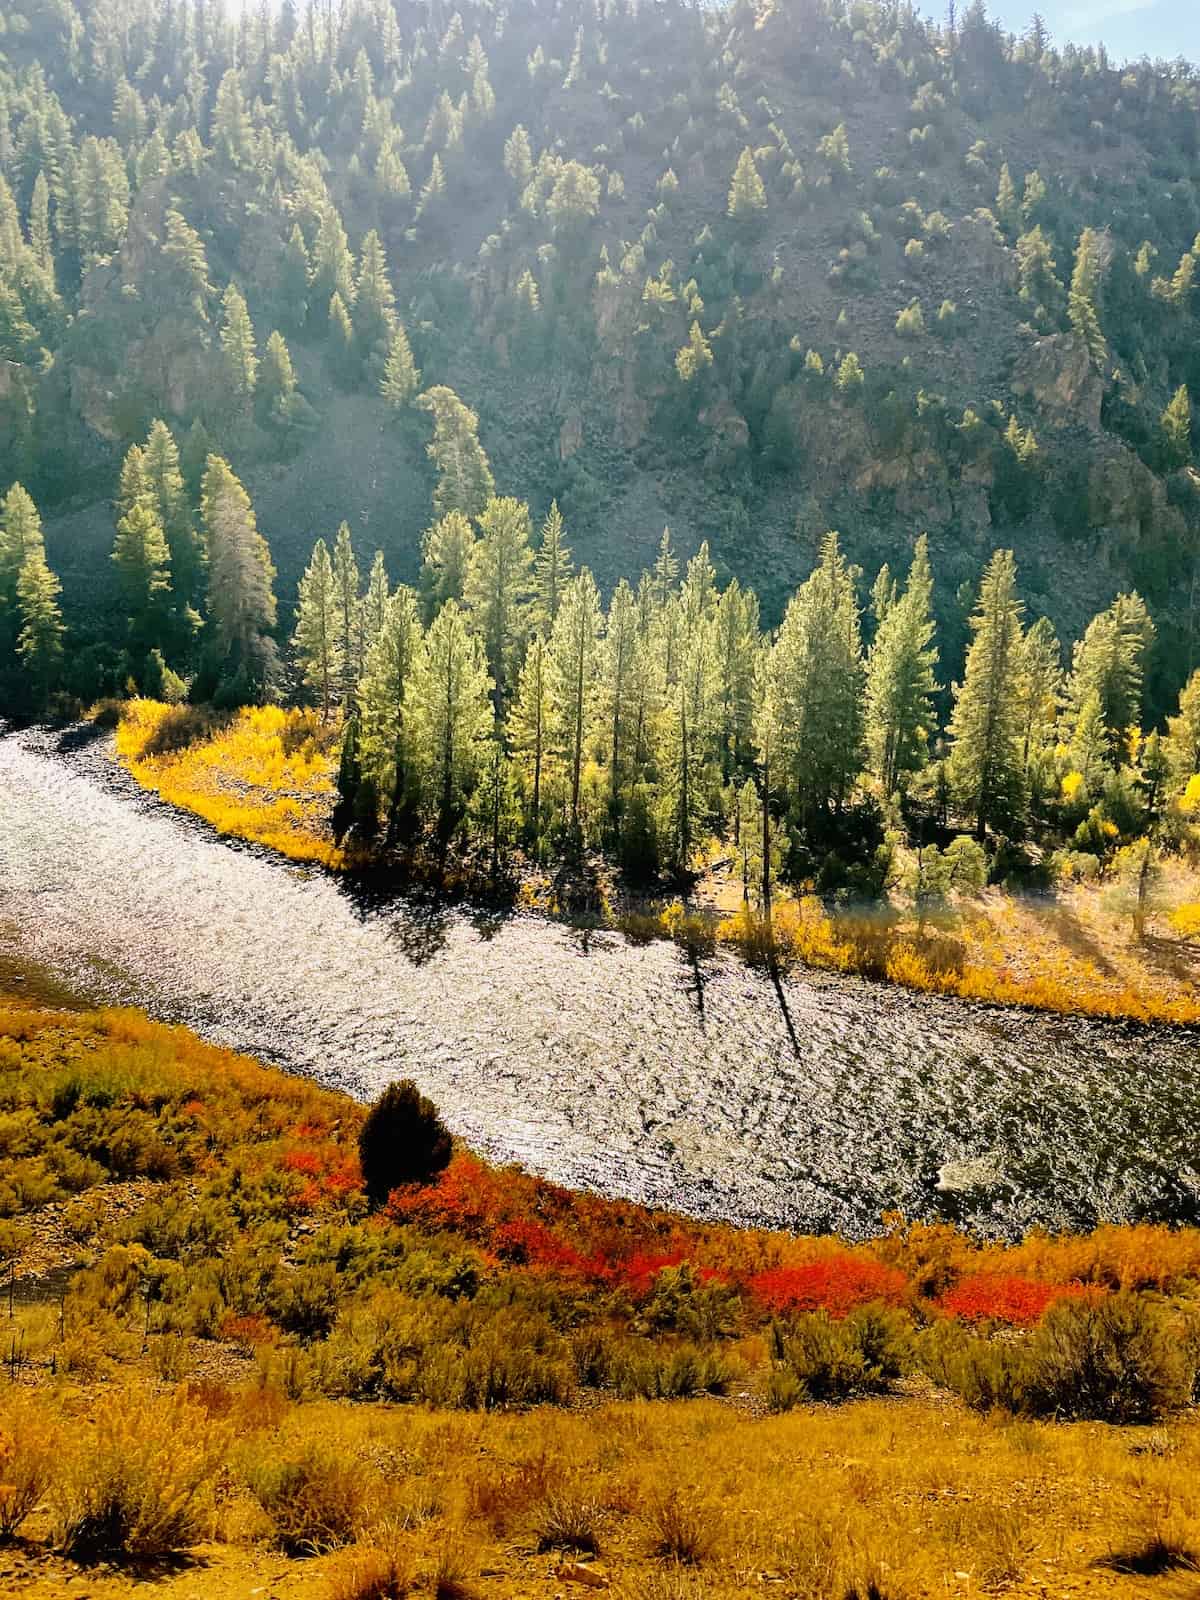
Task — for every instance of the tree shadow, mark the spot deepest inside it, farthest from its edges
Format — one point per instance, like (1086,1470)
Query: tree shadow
(1174,958)
(1066,927)
(785,1011)
(79,736)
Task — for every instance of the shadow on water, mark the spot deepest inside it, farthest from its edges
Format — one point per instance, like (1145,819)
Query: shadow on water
(785,1011)
(79,736)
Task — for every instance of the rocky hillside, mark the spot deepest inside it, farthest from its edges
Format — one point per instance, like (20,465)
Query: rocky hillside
(643,243)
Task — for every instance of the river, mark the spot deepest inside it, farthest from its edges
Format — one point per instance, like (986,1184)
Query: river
(815,1103)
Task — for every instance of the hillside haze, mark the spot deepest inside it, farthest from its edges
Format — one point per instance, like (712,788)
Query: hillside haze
(750,272)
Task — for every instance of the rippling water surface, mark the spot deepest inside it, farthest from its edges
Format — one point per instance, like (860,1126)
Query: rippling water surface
(818,1103)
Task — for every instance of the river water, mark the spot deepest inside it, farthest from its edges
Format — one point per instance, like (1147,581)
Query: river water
(817,1103)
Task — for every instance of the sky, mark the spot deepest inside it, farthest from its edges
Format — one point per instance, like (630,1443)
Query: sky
(1130,28)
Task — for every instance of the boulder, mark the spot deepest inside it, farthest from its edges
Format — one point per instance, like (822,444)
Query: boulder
(1058,375)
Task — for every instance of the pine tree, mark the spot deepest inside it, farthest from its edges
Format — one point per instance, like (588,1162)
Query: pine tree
(554,568)
(1082,311)
(347,611)
(499,586)
(666,570)
(452,716)
(163,476)
(1041,691)
(276,380)
(465,481)
(332,264)
(747,197)
(316,636)
(694,357)
(687,734)
(40,640)
(1040,288)
(768,743)
(233,136)
(401,375)
(900,680)
(621,650)
(375,602)
(737,647)
(1007,208)
(518,157)
(187,263)
(294,276)
(375,305)
(818,682)
(985,730)
(143,565)
(341,340)
(572,660)
(20,538)
(384,693)
(1177,430)
(1183,735)
(433,191)
(528,733)
(39,227)
(1109,662)
(446,556)
(241,597)
(237,344)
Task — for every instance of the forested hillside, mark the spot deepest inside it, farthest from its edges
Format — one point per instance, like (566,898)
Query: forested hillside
(750,273)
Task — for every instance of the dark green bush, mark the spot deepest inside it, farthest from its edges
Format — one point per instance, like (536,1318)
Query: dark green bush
(403,1140)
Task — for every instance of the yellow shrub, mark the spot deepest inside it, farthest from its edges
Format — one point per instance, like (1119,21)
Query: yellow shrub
(29,1441)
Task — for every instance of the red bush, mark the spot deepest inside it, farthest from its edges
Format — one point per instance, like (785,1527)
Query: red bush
(994,1296)
(836,1284)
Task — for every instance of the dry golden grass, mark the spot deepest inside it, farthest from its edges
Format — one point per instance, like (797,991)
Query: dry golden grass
(262,774)
(700,1499)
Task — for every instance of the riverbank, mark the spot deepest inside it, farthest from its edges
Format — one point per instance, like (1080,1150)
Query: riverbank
(590,1393)
(267,775)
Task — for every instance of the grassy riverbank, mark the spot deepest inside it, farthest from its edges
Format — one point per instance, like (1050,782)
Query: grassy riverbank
(494,1382)
(267,775)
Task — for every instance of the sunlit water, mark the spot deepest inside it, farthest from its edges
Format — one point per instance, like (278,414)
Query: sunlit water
(819,1103)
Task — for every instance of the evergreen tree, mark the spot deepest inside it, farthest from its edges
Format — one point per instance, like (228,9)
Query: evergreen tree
(1082,311)
(1183,735)
(276,380)
(237,344)
(39,227)
(528,733)
(572,660)
(554,568)
(1041,691)
(737,647)
(332,264)
(375,305)
(294,278)
(143,565)
(40,640)
(817,683)
(446,556)
(384,692)
(347,610)
(316,637)
(518,157)
(900,680)
(452,717)
(622,649)
(375,602)
(163,477)
(401,375)
(341,340)
(499,585)
(241,596)
(20,538)
(232,134)
(465,480)
(1109,662)
(1007,208)
(1177,430)
(666,570)
(747,197)
(985,730)
(1040,288)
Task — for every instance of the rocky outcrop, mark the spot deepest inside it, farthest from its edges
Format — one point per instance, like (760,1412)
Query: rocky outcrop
(1057,374)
